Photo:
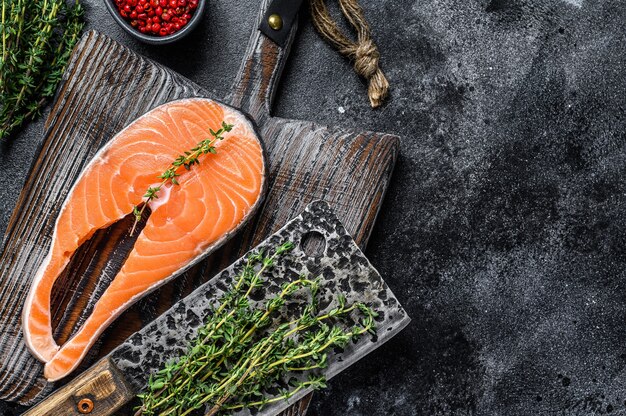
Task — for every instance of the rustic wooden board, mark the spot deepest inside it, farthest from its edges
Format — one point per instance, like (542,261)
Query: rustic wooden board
(102,93)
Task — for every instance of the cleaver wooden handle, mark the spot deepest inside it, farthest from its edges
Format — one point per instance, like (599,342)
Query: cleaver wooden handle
(99,391)
(260,71)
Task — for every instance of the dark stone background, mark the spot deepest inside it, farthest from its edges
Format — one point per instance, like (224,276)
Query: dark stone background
(503,232)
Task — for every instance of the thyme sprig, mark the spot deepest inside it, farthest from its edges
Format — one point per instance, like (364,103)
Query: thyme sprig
(186,161)
(37,39)
(243,351)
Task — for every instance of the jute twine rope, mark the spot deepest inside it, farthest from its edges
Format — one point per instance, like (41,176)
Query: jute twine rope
(363,51)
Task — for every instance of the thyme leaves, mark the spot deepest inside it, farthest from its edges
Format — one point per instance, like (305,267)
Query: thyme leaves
(186,161)
(244,350)
(37,39)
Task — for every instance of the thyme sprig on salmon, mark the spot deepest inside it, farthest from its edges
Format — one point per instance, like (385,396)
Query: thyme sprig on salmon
(243,351)
(187,160)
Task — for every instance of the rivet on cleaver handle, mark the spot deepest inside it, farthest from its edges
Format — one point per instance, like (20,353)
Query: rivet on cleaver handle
(340,266)
(99,391)
(283,11)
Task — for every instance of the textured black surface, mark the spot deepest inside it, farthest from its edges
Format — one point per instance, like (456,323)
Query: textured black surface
(503,234)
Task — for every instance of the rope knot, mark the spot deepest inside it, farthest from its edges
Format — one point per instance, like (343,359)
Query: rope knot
(362,50)
(366,59)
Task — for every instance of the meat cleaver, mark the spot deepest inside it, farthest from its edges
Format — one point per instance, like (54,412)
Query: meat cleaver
(335,259)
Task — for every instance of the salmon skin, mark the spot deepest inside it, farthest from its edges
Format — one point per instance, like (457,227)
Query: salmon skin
(188,221)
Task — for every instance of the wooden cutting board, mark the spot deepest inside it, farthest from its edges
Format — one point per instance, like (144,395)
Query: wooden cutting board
(107,86)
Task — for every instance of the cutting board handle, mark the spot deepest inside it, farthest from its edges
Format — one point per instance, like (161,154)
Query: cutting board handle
(99,391)
(259,74)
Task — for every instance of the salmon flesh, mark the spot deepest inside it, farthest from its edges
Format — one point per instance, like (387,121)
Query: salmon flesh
(187,221)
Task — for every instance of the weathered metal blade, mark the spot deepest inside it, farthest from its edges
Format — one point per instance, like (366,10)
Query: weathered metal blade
(340,265)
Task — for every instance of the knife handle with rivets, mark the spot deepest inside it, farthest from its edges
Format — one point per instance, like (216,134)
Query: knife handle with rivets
(99,391)
(258,77)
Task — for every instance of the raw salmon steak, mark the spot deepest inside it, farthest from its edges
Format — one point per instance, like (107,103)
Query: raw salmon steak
(187,221)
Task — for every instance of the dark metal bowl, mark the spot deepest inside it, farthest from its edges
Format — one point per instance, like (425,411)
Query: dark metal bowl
(157,40)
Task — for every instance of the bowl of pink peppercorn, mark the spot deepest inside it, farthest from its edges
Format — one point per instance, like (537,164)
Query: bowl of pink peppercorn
(157,21)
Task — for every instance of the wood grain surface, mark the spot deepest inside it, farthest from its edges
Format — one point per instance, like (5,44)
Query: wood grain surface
(105,88)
